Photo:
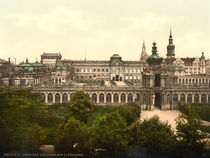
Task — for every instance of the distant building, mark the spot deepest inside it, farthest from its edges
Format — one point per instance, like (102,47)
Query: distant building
(31,75)
(50,59)
(151,82)
(6,68)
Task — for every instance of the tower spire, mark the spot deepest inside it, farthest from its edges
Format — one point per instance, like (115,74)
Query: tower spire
(170,47)
(143,53)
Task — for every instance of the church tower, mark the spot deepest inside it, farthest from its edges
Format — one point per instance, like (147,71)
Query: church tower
(144,55)
(170,47)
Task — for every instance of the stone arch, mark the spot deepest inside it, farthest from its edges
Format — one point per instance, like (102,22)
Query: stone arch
(157,99)
(203,98)
(101,98)
(189,98)
(116,98)
(57,98)
(43,96)
(123,98)
(130,98)
(182,98)
(137,97)
(108,98)
(94,97)
(50,98)
(168,99)
(175,97)
(196,98)
(64,98)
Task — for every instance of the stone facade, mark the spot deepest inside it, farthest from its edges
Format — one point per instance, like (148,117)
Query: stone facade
(150,82)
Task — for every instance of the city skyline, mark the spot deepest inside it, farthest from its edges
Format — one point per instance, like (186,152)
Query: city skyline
(96,30)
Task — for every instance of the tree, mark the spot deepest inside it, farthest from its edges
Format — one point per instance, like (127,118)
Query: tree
(35,138)
(81,106)
(152,134)
(72,136)
(131,112)
(108,132)
(5,137)
(24,105)
(189,134)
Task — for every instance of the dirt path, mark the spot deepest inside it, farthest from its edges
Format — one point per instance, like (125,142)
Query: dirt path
(166,116)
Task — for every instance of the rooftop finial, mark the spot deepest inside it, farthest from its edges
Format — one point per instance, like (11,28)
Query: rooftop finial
(26,60)
(170,33)
(154,49)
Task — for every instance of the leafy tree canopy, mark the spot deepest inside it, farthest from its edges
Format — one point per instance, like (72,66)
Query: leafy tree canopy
(72,137)
(35,138)
(189,132)
(152,134)
(108,132)
(81,106)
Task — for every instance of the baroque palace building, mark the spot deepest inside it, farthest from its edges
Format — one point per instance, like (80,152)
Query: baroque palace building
(150,81)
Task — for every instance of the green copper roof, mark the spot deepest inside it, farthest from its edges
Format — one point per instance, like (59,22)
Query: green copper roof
(175,67)
(25,65)
(154,59)
(115,56)
(64,67)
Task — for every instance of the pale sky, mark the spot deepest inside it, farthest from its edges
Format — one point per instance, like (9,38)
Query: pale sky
(100,28)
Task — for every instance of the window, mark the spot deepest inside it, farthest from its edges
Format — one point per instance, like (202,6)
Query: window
(182,98)
(196,98)
(130,98)
(175,97)
(203,98)
(189,98)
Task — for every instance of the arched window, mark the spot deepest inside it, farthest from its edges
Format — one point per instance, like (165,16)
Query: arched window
(203,98)
(130,98)
(43,96)
(108,98)
(57,98)
(94,97)
(168,99)
(116,98)
(50,98)
(101,98)
(182,98)
(137,97)
(123,98)
(64,97)
(196,98)
(175,97)
(189,98)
